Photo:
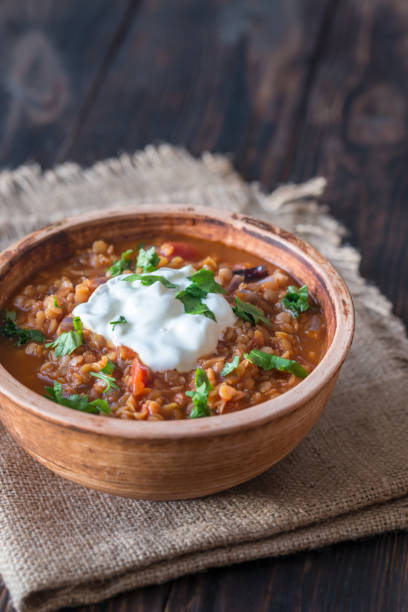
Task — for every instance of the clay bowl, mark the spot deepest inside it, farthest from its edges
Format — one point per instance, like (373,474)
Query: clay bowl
(173,459)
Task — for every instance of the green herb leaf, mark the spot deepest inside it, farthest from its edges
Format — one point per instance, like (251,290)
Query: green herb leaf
(120,321)
(230,366)
(202,284)
(56,303)
(296,300)
(200,395)
(148,260)
(149,279)
(109,367)
(201,378)
(121,264)
(11,330)
(193,304)
(110,381)
(205,280)
(266,361)
(249,312)
(77,402)
(195,291)
(102,405)
(68,342)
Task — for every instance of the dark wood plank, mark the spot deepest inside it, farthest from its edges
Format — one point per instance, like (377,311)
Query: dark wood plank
(225,76)
(369,575)
(354,132)
(51,57)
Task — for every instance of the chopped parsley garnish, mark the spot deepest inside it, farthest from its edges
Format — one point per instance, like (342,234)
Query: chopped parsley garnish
(202,284)
(77,402)
(101,404)
(68,342)
(109,367)
(149,279)
(296,300)
(195,291)
(11,330)
(200,395)
(148,260)
(120,321)
(121,264)
(193,303)
(110,381)
(249,312)
(266,361)
(230,366)
(56,303)
(205,280)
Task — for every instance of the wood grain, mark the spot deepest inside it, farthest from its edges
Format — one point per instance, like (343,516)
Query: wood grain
(51,56)
(225,76)
(346,577)
(354,132)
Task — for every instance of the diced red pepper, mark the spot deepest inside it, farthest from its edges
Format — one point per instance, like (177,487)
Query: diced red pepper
(139,377)
(182,249)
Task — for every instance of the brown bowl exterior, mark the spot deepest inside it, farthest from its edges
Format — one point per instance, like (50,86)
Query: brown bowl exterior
(173,459)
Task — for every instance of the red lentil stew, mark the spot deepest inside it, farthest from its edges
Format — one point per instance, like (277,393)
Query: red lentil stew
(277,338)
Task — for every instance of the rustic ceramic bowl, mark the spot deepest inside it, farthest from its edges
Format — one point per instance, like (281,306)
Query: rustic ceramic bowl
(173,459)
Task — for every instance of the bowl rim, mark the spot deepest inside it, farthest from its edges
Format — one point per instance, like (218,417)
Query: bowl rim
(247,418)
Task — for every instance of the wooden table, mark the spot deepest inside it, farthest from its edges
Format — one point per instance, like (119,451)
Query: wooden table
(291,89)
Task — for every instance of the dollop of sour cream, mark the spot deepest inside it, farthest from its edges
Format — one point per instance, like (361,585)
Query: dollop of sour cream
(164,336)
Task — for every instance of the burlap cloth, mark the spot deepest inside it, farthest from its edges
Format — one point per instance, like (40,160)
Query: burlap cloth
(63,545)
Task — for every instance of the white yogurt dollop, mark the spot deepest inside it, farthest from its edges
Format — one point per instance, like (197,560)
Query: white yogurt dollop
(164,336)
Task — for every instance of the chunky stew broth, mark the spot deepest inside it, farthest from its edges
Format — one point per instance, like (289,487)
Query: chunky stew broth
(138,393)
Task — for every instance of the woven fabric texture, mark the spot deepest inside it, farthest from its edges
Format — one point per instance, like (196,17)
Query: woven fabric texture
(64,545)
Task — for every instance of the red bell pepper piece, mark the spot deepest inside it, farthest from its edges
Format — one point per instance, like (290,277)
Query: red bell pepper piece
(139,377)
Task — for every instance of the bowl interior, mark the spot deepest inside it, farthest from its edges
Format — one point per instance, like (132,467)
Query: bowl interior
(59,241)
